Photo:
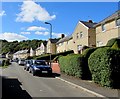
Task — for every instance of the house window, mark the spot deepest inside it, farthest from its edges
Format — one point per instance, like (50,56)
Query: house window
(118,22)
(77,36)
(99,43)
(103,27)
(79,47)
(81,34)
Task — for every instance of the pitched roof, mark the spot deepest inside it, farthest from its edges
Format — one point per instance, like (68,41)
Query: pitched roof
(54,40)
(88,24)
(67,38)
(22,52)
(45,43)
(109,18)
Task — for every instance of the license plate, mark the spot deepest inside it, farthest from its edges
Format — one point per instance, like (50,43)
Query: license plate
(44,71)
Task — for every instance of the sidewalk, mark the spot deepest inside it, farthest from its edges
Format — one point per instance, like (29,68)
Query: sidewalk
(88,85)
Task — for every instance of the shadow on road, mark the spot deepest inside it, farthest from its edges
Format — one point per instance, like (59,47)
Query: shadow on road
(11,89)
(53,75)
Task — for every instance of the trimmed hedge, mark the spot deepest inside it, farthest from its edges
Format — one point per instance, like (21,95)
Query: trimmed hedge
(105,67)
(47,56)
(111,42)
(70,65)
(5,62)
(116,45)
(86,53)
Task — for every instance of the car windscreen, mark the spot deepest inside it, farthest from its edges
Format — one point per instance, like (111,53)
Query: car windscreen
(40,63)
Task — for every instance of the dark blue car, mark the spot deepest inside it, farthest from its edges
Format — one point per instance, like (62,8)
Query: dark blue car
(39,67)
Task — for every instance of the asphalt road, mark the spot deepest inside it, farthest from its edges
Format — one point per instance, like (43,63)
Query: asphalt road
(20,83)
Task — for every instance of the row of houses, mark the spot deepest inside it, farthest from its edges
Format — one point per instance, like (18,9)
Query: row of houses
(86,33)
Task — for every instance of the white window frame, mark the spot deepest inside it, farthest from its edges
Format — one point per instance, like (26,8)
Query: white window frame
(103,27)
(77,35)
(81,34)
(118,22)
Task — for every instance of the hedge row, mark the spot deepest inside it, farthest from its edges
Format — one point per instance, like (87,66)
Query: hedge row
(5,62)
(47,56)
(105,67)
(111,42)
(70,65)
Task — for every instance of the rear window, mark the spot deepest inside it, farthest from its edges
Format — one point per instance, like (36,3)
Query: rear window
(40,63)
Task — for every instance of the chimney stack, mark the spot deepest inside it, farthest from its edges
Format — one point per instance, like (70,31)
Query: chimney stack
(90,21)
(62,35)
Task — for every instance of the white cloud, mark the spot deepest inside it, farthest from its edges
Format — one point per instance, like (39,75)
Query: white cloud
(31,11)
(12,37)
(42,33)
(2,13)
(54,35)
(57,35)
(25,33)
(35,28)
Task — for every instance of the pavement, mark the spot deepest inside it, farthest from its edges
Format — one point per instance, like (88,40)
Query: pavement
(88,85)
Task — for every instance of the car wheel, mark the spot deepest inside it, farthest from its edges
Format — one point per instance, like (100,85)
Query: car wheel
(33,72)
(27,69)
(30,70)
(24,68)
(50,73)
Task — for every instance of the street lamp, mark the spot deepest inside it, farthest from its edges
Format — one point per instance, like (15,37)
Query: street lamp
(50,38)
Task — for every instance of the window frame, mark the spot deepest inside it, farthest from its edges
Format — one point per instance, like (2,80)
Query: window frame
(103,27)
(117,24)
(81,34)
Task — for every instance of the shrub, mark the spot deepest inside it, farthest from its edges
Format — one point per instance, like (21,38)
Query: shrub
(111,42)
(86,53)
(116,45)
(47,56)
(105,67)
(3,62)
(70,65)
(6,63)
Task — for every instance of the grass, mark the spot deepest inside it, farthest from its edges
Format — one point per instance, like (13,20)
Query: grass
(3,67)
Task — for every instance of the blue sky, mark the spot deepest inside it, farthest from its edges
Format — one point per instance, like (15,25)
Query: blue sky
(25,20)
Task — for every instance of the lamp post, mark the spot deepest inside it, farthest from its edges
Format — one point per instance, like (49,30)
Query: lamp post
(50,38)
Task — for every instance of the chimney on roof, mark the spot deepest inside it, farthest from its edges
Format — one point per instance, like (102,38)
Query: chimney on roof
(62,35)
(90,21)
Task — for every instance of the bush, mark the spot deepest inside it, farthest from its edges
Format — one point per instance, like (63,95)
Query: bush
(6,63)
(47,56)
(105,67)
(111,42)
(70,65)
(116,45)
(86,72)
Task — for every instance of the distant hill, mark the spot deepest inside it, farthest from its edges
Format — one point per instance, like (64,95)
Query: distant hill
(16,46)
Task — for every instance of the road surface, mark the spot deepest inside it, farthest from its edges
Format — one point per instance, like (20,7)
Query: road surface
(20,83)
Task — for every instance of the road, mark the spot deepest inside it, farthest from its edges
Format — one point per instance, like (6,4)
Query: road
(18,82)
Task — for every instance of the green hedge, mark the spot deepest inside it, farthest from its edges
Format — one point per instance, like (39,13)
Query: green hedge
(5,62)
(86,53)
(47,56)
(70,65)
(105,67)
(116,45)
(111,42)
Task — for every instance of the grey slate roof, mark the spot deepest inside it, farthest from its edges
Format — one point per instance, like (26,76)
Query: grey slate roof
(67,38)
(109,18)
(54,40)
(88,24)
(22,52)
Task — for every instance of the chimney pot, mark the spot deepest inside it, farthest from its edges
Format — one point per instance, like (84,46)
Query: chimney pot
(62,35)
(90,21)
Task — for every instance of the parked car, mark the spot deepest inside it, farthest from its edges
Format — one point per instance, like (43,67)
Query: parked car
(39,67)
(27,65)
(21,62)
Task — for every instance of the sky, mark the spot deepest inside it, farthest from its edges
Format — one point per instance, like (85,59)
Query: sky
(25,20)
